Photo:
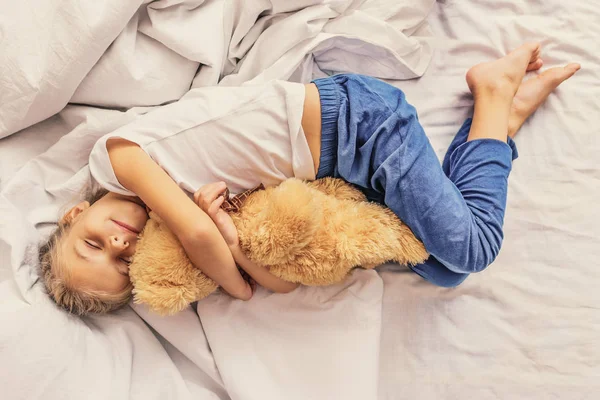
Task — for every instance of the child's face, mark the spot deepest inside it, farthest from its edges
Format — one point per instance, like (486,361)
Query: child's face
(98,247)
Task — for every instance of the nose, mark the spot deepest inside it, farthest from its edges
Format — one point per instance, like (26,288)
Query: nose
(118,243)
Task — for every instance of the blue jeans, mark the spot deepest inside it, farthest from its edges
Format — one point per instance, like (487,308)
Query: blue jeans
(372,138)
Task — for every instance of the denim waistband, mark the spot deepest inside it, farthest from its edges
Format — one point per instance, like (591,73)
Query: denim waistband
(330,109)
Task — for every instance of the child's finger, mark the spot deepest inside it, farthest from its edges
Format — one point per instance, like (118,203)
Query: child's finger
(200,194)
(214,191)
(209,193)
(209,188)
(215,206)
(197,195)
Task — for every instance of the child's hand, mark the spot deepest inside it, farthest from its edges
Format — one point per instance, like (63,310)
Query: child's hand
(209,198)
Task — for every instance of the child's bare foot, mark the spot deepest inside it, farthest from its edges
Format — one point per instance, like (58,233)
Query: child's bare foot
(533,92)
(502,77)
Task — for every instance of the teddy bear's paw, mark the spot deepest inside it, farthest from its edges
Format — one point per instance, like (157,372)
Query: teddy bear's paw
(411,250)
(371,235)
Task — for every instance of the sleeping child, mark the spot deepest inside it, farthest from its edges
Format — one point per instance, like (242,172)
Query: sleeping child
(179,159)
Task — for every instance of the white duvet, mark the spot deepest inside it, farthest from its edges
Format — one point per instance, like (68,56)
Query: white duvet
(526,328)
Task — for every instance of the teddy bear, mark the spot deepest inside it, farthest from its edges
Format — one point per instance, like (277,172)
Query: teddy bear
(307,232)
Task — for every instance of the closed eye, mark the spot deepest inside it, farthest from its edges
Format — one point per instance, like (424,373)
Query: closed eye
(92,245)
(126,260)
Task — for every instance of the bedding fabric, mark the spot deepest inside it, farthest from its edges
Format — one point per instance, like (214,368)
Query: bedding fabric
(527,327)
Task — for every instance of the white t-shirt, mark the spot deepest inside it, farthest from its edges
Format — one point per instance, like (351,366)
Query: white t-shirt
(243,136)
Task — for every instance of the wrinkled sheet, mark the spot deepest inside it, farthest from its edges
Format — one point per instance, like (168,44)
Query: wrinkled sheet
(529,326)
(119,54)
(112,64)
(526,328)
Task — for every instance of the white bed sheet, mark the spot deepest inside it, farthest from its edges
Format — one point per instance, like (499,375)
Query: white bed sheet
(526,328)
(529,326)
(133,354)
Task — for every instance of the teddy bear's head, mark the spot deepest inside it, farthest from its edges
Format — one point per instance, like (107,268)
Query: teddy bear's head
(162,275)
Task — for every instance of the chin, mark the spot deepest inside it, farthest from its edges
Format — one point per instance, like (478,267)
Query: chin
(140,214)
(139,205)
(145,217)
(132,199)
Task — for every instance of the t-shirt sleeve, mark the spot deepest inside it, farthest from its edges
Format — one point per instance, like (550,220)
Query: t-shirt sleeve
(101,167)
(156,125)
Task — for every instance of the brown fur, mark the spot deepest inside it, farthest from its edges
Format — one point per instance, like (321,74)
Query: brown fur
(313,233)
(162,274)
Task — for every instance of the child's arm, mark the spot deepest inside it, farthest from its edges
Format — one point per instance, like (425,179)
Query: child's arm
(199,236)
(210,198)
(260,274)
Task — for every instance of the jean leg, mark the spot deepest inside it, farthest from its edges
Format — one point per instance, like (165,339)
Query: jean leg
(458,216)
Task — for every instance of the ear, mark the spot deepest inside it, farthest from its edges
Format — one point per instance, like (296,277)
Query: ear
(74,212)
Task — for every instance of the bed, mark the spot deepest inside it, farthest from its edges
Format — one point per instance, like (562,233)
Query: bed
(527,327)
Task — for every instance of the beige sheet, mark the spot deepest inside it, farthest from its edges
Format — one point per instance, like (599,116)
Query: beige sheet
(529,326)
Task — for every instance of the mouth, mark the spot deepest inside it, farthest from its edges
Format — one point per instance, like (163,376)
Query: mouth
(127,227)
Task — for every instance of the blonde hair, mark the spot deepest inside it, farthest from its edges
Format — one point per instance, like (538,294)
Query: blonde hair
(55,277)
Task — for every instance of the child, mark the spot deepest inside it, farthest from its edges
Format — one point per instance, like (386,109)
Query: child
(348,126)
